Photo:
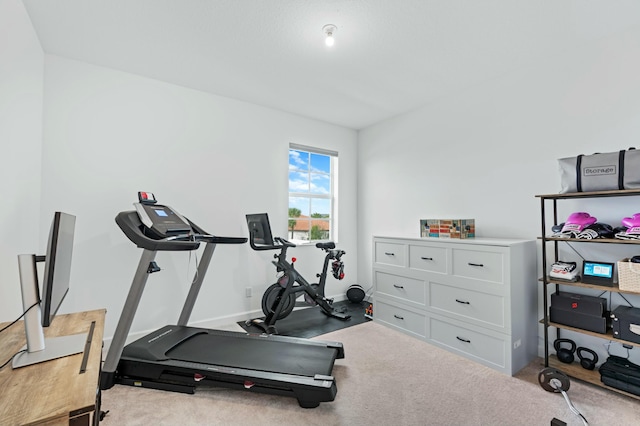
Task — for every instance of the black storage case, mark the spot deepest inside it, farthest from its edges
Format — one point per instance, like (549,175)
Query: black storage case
(587,305)
(578,320)
(580,311)
(625,321)
(621,374)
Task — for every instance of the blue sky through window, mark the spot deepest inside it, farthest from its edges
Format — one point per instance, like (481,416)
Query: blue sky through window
(309,173)
(309,176)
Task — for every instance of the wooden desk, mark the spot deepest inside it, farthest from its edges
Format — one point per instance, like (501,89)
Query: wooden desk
(53,392)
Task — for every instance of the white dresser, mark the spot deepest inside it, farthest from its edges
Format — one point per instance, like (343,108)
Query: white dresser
(475,297)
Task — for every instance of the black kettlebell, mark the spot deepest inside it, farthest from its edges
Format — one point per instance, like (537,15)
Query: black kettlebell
(565,355)
(586,362)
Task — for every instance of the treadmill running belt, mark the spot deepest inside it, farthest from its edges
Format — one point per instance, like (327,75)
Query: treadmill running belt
(256,354)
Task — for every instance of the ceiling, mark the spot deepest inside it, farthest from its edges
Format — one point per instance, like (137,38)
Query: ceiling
(390,57)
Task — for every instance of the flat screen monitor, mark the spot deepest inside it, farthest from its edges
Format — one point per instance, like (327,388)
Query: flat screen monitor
(57,266)
(259,229)
(39,312)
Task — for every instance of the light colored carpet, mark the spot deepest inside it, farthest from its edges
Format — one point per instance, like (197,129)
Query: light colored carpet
(386,378)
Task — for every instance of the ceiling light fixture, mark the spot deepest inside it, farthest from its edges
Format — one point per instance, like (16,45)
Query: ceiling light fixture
(329,30)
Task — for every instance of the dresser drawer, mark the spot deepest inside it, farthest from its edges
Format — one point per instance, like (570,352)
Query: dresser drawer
(400,318)
(483,307)
(407,289)
(390,254)
(479,265)
(470,343)
(425,258)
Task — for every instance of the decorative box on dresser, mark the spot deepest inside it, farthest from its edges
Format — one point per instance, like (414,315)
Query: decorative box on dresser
(474,297)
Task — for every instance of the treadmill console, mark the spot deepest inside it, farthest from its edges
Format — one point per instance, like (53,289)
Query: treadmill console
(153,226)
(161,221)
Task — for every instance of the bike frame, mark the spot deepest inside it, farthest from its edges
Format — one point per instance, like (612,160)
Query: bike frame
(293,277)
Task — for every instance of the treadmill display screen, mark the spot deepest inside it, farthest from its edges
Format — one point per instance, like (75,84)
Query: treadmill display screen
(161,213)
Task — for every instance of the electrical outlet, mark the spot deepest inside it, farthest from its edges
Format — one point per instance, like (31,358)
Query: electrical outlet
(517,344)
(247,291)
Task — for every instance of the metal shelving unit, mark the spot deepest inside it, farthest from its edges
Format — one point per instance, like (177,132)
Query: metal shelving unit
(572,370)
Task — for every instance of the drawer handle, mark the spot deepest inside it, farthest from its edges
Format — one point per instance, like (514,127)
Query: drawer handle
(398,317)
(389,254)
(426,258)
(398,286)
(476,264)
(463,340)
(463,302)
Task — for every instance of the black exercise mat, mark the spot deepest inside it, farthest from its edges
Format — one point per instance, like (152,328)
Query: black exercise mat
(311,322)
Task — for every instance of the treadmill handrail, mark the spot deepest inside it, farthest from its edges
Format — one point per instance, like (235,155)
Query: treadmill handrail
(222,240)
(205,238)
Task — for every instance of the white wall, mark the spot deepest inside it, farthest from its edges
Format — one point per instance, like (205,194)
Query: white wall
(109,134)
(21,80)
(486,151)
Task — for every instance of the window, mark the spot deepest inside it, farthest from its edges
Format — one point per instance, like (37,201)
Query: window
(311,194)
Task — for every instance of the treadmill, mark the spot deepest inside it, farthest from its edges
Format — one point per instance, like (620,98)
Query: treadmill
(179,357)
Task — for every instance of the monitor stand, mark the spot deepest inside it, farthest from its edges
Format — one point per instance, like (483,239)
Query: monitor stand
(38,349)
(55,347)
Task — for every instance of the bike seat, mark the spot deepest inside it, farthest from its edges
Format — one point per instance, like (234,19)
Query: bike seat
(330,245)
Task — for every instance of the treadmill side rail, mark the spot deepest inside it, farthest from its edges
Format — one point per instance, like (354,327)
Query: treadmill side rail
(323,377)
(181,376)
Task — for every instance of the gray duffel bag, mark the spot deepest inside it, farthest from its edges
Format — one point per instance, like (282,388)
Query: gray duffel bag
(600,172)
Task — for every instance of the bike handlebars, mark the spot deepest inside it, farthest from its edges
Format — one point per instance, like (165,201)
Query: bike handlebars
(282,243)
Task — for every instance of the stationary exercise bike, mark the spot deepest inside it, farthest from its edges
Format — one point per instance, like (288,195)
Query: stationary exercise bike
(279,299)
